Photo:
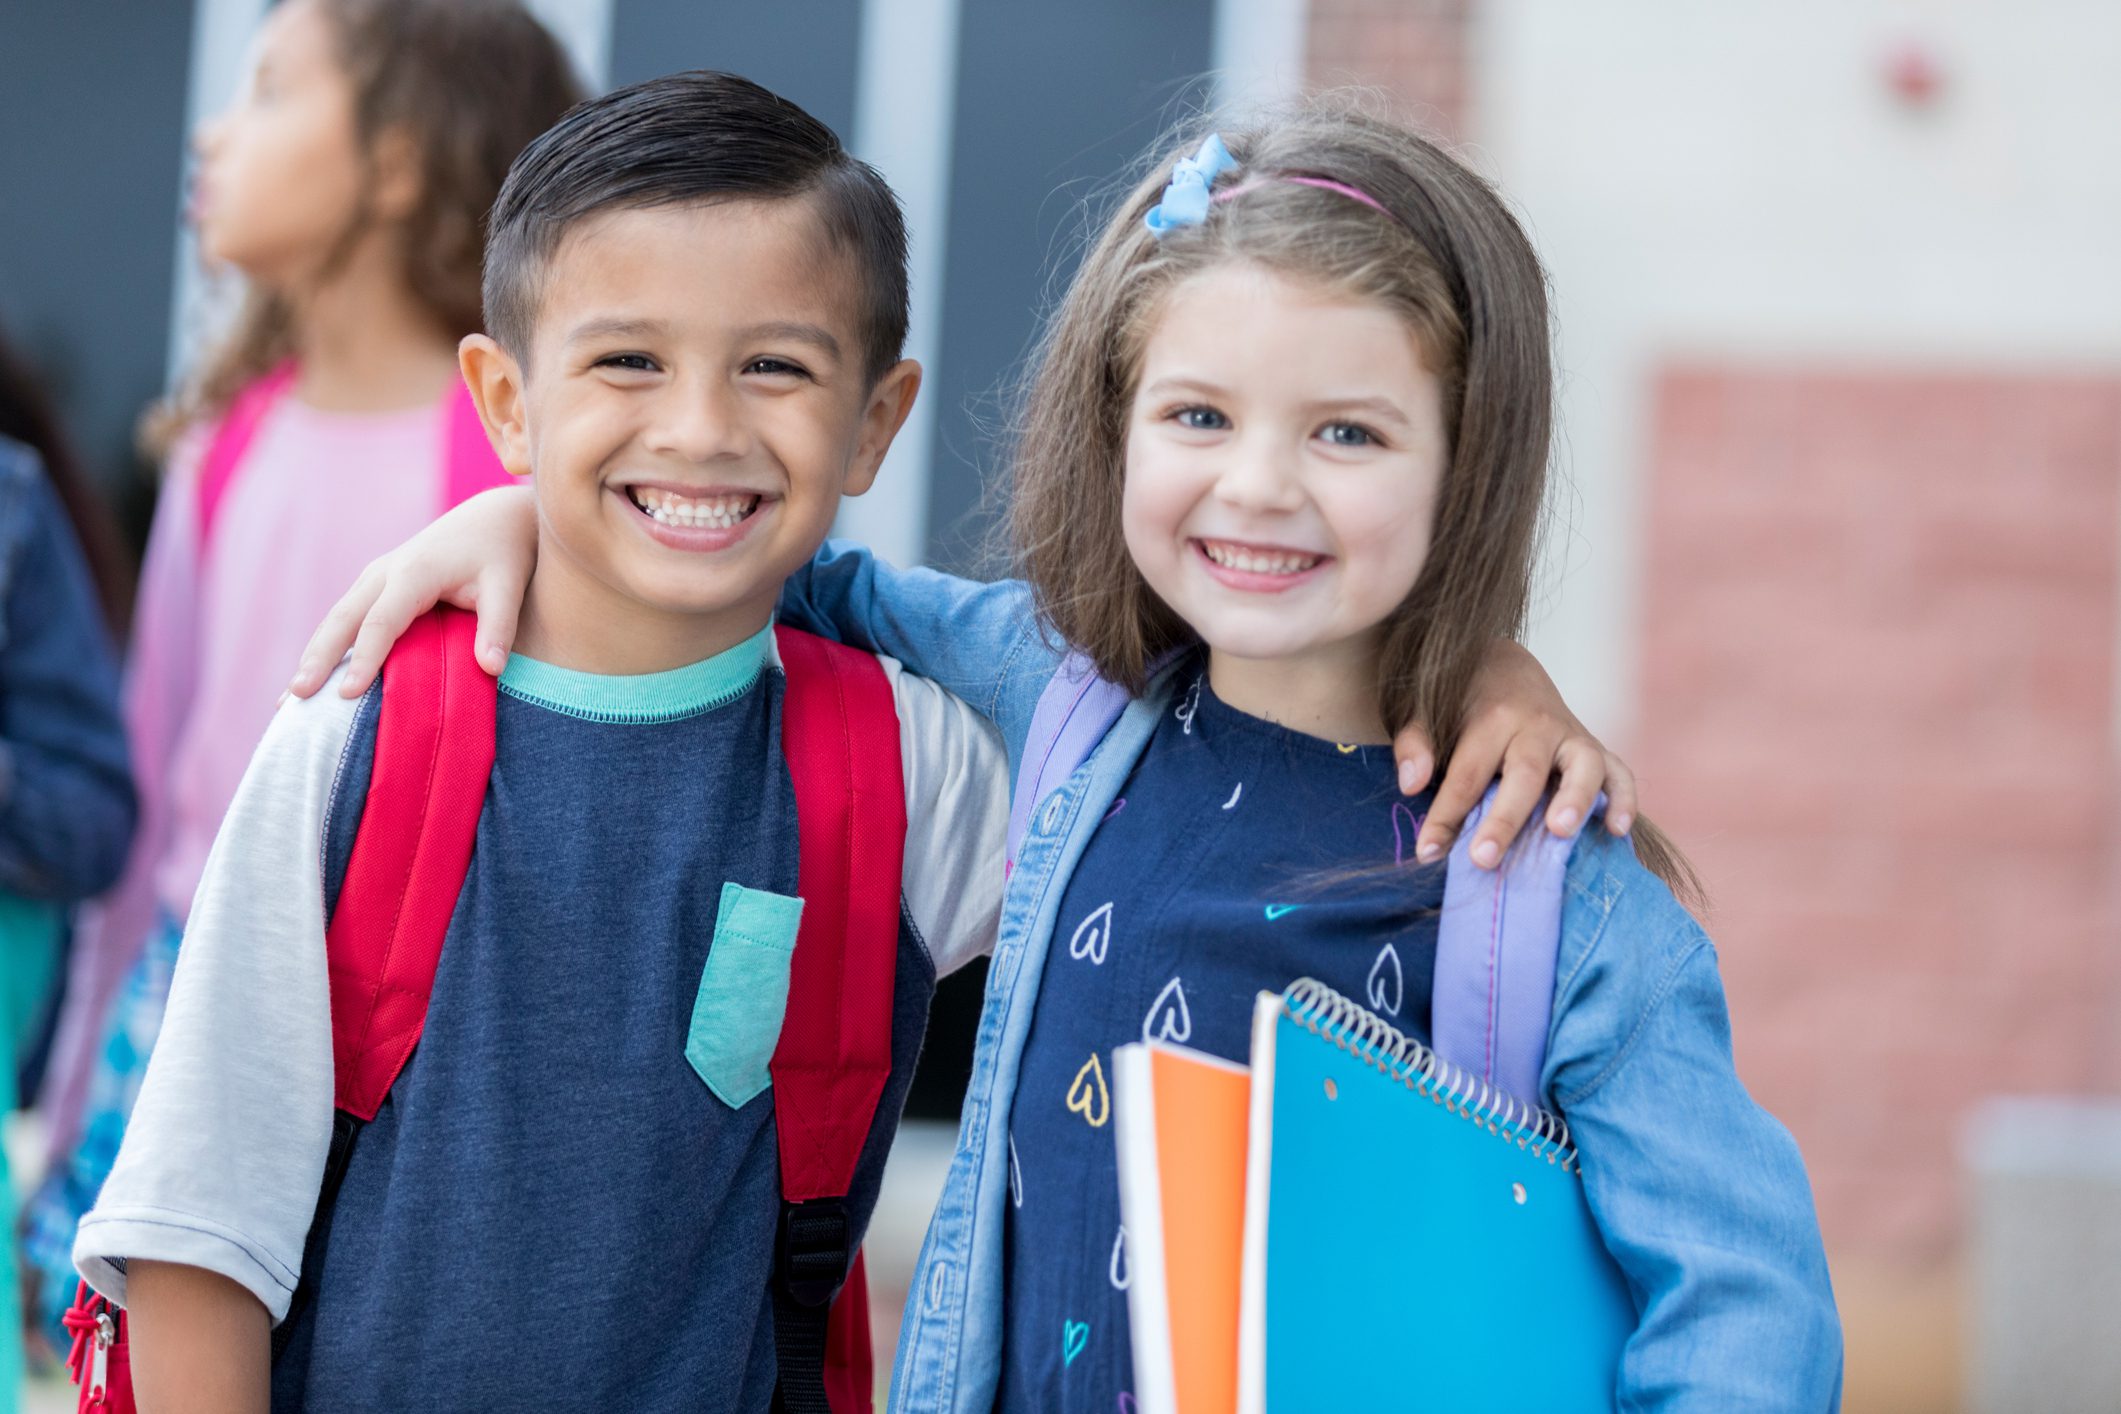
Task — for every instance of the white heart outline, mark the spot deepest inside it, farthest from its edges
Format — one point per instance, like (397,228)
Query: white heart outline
(1183,1031)
(1374,987)
(1091,941)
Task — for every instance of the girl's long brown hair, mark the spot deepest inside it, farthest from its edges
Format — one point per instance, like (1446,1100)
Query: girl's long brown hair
(471,82)
(1445,254)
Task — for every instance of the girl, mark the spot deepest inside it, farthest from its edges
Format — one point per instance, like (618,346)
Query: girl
(347,185)
(66,800)
(1279,474)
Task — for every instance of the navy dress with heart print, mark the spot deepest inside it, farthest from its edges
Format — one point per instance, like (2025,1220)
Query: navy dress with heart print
(1240,856)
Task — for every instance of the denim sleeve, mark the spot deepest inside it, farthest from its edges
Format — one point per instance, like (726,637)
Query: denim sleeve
(1700,1194)
(980,642)
(66,796)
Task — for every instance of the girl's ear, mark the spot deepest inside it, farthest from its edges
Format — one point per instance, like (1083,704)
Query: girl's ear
(395,178)
(890,401)
(496,383)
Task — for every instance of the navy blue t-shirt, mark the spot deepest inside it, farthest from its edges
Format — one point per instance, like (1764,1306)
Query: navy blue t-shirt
(1240,856)
(551,1210)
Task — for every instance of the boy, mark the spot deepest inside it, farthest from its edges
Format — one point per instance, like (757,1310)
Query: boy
(570,1197)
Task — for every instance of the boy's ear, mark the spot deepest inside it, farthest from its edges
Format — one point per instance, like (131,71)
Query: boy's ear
(890,401)
(496,383)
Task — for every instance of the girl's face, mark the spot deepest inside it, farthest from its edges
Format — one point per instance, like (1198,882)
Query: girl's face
(281,172)
(1284,450)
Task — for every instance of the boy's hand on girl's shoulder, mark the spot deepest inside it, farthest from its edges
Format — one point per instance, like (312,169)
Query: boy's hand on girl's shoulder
(1517,727)
(478,557)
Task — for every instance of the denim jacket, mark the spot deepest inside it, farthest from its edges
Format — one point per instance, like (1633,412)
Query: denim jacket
(66,796)
(1701,1196)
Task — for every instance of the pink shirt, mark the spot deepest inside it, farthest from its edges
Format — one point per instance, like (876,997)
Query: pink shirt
(320,494)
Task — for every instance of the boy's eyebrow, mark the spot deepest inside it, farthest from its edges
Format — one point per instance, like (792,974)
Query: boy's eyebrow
(612,326)
(816,335)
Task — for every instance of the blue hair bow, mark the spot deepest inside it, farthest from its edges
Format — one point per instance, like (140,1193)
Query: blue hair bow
(1186,198)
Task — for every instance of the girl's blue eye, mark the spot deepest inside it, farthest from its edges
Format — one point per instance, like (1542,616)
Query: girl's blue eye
(1348,434)
(1199,419)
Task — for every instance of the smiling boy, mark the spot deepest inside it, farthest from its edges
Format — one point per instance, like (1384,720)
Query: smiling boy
(570,1197)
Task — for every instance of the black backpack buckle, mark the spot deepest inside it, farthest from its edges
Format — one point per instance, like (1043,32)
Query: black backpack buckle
(813,1253)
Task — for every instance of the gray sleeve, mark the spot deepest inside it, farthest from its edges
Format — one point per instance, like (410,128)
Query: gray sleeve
(957,819)
(225,1151)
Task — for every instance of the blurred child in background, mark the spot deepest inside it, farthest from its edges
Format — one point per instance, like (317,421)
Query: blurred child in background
(347,185)
(66,801)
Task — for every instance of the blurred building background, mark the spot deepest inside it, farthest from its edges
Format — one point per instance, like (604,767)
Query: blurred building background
(1836,549)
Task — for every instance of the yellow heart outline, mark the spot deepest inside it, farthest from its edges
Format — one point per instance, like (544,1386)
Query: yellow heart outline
(1087,1095)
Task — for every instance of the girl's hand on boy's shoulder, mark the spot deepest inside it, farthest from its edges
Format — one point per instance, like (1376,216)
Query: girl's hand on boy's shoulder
(1517,727)
(478,556)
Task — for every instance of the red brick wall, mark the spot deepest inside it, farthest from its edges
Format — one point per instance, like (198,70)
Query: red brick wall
(1878,678)
(1414,49)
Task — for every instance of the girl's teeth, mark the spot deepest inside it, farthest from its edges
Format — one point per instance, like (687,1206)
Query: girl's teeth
(688,513)
(1258,561)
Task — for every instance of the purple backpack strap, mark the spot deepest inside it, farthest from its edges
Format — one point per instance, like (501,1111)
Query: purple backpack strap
(1073,714)
(1495,950)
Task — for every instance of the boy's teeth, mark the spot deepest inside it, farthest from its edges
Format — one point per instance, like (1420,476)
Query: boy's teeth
(1237,557)
(694,513)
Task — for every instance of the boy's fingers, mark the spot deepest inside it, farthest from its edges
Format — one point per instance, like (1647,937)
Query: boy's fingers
(1620,795)
(336,634)
(1417,758)
(1524,780)
(1583,770)
(1465,780)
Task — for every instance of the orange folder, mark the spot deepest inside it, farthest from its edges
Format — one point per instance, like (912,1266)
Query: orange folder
(1182,1120)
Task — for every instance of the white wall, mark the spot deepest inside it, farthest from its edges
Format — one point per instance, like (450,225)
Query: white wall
(1738,180)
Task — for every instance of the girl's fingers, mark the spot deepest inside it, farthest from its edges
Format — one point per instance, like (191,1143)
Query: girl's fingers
(1524,781)
(336,634)
(1417,758)
(1620,795)
(1583,772)
(392,613)
(498,606)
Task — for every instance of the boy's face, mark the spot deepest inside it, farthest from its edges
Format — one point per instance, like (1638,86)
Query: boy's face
(694,405)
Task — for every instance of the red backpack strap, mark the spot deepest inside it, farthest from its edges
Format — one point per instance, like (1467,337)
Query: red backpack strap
(839,734)
(231,442)
(434,753)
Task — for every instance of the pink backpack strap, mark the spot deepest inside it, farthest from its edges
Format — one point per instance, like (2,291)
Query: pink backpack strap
(839,734)
(469,463)
(231,441)
(434,753)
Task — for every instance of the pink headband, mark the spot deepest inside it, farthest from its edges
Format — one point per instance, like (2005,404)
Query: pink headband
(1353,193)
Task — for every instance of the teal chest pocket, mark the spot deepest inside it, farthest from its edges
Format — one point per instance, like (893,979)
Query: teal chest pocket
(736,1017)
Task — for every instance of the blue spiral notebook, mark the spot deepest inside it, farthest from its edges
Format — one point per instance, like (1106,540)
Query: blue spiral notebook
(1413,1239)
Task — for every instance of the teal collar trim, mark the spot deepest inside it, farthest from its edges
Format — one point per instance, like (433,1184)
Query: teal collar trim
(645,697)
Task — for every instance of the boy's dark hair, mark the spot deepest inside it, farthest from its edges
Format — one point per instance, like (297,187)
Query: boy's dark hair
(699,136)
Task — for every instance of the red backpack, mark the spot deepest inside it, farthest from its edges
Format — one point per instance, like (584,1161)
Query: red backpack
(434,753)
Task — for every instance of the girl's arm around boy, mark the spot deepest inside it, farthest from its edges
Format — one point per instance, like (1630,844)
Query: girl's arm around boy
(1700,1194)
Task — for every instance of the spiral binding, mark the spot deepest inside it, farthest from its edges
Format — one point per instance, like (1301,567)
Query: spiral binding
(1332,1017)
